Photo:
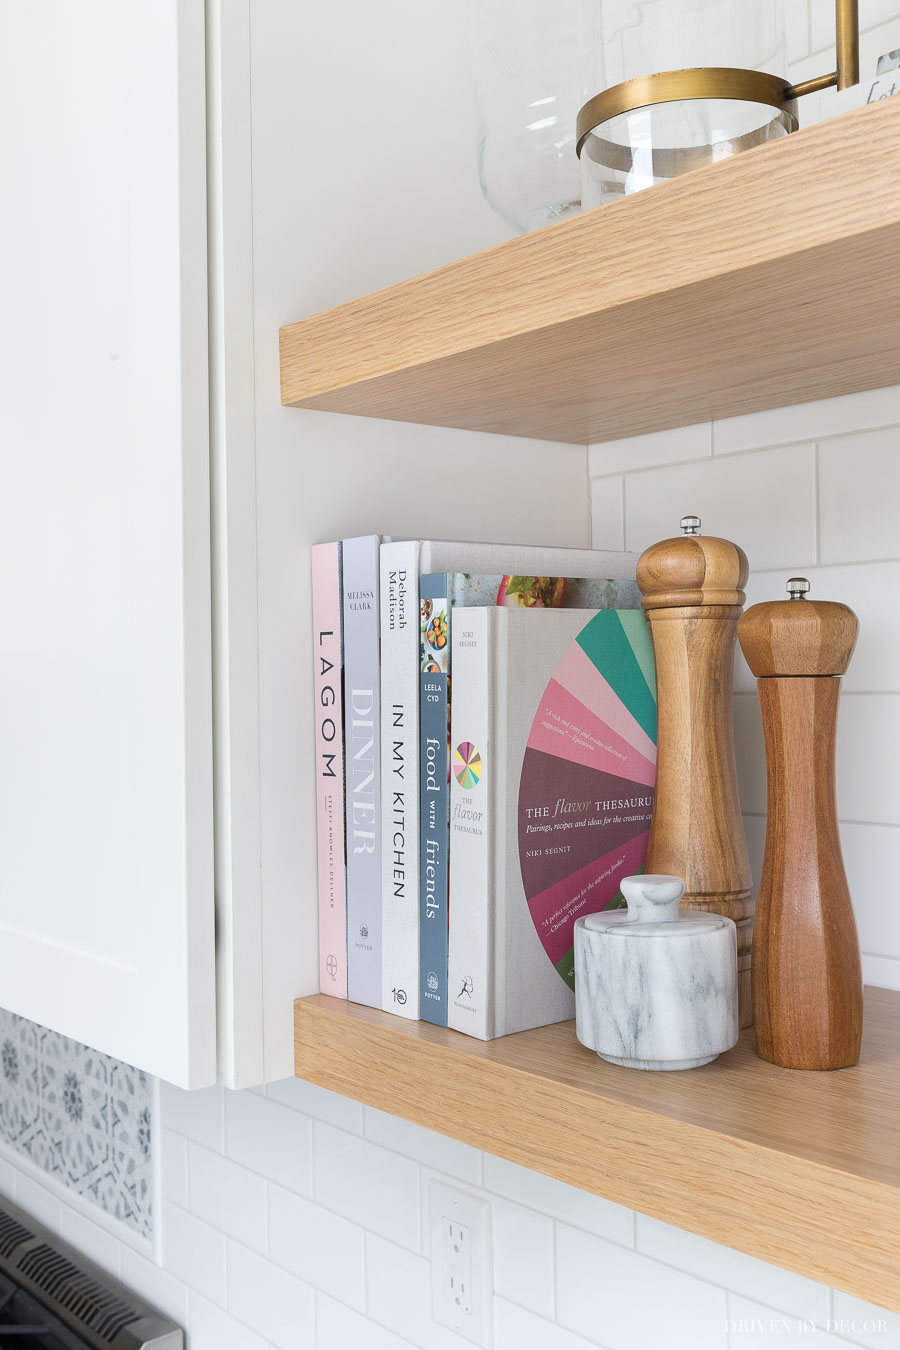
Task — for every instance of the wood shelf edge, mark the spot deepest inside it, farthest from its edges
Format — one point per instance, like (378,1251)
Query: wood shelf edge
(536,337)
(829,1222)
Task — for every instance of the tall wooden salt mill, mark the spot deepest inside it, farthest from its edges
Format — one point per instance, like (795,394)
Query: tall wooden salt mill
(807,976)
(693,596)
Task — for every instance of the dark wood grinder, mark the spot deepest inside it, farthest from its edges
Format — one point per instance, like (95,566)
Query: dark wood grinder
(693,596)
(807,977)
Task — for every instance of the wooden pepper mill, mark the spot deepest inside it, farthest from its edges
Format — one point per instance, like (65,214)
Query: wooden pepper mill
(693,595)
(807,977)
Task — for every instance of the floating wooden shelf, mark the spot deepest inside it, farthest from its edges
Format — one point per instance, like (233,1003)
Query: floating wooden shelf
(768,279)
(801,1169)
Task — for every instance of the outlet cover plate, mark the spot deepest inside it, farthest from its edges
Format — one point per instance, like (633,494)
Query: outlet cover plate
(462,1284)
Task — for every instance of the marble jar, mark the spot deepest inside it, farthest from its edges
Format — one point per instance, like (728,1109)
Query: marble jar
(655,988)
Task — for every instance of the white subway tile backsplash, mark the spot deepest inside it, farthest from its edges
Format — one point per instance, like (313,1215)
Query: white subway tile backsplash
(161,1288)
(523,1257)
(796,16)
(871,858)
(865,1324)
(650,450)
(173,1162)
(733,1269)
(228,1197)
(340,1328)
(517,1329)
(196,1251)
(875,665)
(318,1102)
(39,1201)
(8,1175)
(807,421)
(868,788)
(398,1296)
(274,1303)
(577,1208)
(269,1138)
(883,971)
(607,518)
(368,1184)
(628,1302)
(197,1115)
(871,13)
(213,1329)
(763,501)
(750,753)
(424,1146)
(324,1249)
(751,1325)
(859,496)
(95,1242)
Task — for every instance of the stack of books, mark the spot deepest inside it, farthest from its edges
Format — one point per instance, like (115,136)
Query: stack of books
(460,837)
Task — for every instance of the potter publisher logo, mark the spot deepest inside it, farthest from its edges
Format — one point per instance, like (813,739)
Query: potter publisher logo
(331,966)
(804,1326)
(432,982)
(363,930)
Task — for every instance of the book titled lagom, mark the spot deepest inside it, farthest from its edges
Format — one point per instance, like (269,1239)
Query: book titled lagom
(553,733)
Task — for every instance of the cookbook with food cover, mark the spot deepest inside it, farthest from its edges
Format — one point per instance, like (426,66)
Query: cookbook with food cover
(553,735)
(402,564)
(442,595)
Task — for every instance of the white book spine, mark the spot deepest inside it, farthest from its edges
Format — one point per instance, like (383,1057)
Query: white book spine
(362,728)
(477,794)
(400,777)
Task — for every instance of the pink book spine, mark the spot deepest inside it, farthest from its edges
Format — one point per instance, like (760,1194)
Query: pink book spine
(329,714)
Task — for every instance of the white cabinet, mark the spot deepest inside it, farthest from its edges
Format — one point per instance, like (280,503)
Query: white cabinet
(106,876)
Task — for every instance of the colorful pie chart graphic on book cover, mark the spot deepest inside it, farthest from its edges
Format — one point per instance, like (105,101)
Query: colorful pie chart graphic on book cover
(588,774)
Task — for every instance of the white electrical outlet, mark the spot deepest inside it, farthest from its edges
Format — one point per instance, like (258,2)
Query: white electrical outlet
(462,1284)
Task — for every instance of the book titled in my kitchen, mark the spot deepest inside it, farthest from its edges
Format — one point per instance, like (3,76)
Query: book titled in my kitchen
(553,734)
(329,742)
(403,562)
(362,728)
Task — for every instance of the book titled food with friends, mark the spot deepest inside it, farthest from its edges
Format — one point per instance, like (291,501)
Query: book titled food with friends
(402,564)
(553,736)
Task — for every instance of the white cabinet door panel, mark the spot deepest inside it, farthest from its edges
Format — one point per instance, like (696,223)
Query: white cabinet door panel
(106,890)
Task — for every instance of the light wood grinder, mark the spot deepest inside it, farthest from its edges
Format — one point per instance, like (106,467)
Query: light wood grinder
(693,596)
(807,977)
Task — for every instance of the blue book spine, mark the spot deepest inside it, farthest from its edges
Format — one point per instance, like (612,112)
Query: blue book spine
(434,794)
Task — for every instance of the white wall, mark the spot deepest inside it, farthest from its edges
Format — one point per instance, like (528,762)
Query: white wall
(292,1217)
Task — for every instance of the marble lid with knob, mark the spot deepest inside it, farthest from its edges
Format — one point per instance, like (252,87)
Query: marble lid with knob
(691,570)
(653,912)
(798,636)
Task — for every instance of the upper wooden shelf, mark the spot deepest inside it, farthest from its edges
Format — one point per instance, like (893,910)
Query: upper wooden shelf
(801,1169)
(768,279)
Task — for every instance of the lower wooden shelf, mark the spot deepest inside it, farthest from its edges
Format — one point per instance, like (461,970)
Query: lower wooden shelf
(801,1169)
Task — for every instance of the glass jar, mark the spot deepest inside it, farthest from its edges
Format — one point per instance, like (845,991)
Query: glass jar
(690,53)
(524,55)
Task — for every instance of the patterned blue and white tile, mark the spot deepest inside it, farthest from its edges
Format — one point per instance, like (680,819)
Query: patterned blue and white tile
(83,1117)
